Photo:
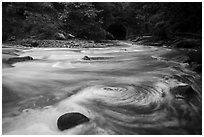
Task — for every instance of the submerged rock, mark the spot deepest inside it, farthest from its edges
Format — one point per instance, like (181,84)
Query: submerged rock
(86,58)
(96,58)
(19,59)
(70,120)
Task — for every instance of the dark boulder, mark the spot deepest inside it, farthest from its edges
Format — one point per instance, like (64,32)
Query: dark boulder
(19,59)
(69,120)
(96,58)
(195,60)
(86,58)
(195,56)
(185,91)
(34,43)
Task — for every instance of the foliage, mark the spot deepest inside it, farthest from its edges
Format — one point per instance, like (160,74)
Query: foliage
(81,19)
(91,20)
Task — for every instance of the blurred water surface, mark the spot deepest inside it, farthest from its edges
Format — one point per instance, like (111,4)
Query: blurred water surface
(127,90)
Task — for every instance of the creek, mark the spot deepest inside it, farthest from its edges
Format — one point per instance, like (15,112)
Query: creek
(126,89)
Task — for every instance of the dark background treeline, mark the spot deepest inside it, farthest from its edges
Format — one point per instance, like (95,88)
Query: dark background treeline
(93,20)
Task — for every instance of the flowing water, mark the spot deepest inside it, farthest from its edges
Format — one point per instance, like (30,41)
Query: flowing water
(127,90)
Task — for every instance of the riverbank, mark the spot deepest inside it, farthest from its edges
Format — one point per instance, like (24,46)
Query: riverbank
(72,43)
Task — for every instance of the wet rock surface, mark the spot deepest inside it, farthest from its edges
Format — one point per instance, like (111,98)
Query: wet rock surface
(19,59)
(184,91)
(70,43)
(28,42)
(86,58)
(95,58)
(69,120)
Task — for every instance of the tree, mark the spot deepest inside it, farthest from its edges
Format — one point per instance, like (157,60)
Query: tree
(91,20)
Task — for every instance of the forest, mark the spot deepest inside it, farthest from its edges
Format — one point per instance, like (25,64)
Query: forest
(100,20)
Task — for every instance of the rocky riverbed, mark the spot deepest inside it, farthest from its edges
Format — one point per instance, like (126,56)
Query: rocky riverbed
(71,43)
(123,88)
